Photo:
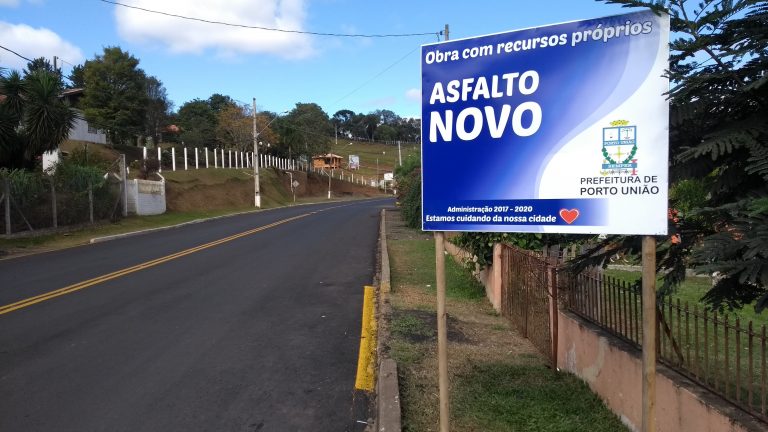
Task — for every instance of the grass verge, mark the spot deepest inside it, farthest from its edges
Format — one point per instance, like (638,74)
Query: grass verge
(498,381)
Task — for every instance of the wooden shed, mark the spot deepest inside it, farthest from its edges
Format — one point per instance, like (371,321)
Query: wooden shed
(329,161)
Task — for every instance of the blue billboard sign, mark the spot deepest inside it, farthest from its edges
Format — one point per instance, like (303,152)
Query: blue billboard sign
(555,129)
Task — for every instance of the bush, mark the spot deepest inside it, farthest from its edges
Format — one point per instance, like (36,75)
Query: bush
(408,178)
(409,195)
(150,167)
(480,244)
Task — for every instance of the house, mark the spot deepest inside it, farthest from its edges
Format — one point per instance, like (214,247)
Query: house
(329,161)
(81,130)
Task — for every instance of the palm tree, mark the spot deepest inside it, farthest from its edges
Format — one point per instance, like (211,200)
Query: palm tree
(33,119)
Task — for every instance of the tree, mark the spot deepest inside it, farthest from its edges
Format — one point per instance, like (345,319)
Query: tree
(718,150)
(218,102)
(77,77)
(385,132)
(234,128)
(307,130)
(267,125)
(198,123)
(158,107)
(342,120)
(371,123)
(33,119)
(41,63)
(115,94)
(387,117)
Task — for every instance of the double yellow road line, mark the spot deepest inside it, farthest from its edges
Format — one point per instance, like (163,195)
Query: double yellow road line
(145,265)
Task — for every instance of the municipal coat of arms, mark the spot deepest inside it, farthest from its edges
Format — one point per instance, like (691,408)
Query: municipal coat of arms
(619,149)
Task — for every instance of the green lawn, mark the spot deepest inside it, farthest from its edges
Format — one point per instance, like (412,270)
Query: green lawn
(519,397)
(692,291)
(421,270)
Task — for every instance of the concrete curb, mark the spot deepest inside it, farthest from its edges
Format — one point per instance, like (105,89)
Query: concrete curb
(387,387)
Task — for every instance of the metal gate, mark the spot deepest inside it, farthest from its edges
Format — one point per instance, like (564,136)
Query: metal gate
(528,295)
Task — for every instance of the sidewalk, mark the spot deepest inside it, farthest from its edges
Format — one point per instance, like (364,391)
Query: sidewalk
(499,382)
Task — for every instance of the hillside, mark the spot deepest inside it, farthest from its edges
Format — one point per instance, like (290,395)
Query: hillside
(216,189)
(212,189)
(369,152)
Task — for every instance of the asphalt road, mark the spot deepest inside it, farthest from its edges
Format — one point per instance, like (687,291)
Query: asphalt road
(256,333)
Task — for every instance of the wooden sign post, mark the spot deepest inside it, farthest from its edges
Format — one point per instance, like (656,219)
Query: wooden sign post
(442,331)
(649,334)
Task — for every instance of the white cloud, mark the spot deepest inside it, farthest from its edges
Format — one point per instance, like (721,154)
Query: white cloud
(413,94)
(33,43)
(185,36)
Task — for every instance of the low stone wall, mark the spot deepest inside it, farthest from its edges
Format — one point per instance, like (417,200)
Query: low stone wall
(613,370)
(146,197)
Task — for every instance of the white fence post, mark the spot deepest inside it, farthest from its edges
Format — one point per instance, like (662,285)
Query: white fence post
(144,153)
(197,165)
(206,156)
(185,159)
(229,154)
(173,158)
(215,158)
(159,161)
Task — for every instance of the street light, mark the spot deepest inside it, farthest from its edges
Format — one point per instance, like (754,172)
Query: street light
(257,194)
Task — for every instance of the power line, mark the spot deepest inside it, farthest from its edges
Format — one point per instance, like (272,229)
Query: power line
(351,35)
(64,61)
(14,52)
(376,76)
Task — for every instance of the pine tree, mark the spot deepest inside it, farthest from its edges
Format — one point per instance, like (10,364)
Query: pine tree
(718,150)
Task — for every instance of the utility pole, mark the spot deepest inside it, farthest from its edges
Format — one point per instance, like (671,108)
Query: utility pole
(256,194)
(124,175)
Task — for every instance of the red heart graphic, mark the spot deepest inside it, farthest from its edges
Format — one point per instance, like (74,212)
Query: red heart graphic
(569,215)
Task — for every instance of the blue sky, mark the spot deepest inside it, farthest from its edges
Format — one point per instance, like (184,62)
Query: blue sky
(195,60)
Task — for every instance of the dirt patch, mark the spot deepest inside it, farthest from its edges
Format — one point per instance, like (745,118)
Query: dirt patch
(232,194)
(396,229)
(421,326)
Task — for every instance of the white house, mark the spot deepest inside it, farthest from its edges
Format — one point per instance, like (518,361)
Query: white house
(82,131)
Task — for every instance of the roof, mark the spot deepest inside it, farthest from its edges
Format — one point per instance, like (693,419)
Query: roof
(72,92)
(328,156)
